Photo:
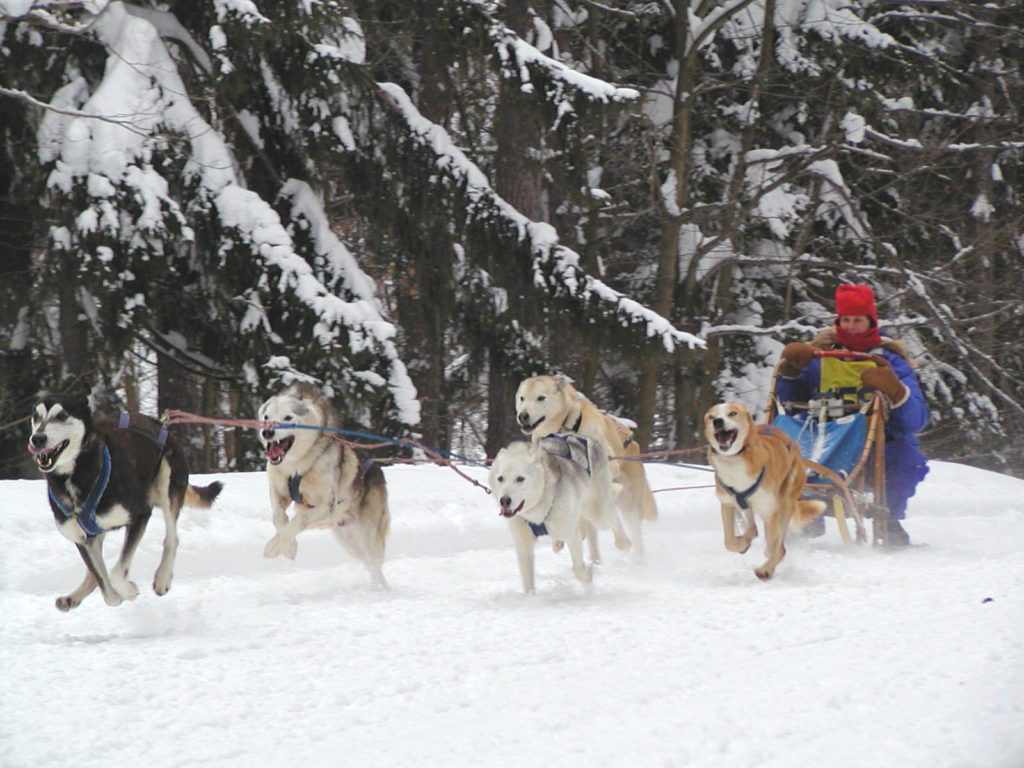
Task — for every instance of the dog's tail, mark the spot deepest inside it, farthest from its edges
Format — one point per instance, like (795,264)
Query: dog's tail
(643,497)
(805,512)
(202,497)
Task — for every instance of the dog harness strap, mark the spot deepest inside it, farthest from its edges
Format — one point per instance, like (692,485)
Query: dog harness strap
(293,489)
(539,529)
(576,427)
(87,517)
(364,466)
(124,420)
(743,497)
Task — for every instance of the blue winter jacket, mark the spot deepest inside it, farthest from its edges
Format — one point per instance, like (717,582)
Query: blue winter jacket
(905,465)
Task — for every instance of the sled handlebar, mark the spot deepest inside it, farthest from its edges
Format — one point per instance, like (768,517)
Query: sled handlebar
(842,354)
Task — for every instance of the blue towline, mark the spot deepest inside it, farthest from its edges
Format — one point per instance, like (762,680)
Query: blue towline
(379,438)
(439,451)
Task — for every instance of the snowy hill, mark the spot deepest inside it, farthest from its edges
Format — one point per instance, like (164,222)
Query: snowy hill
(849,657)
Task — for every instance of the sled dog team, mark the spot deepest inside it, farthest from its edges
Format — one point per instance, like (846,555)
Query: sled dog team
(579,473)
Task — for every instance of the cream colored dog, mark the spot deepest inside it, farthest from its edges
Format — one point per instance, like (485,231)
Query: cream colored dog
(549,404)
(758,470)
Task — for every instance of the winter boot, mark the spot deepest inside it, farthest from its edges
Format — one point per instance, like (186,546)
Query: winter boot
(895,534)
(814,528)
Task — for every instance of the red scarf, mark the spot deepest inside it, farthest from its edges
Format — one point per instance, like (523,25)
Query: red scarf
(859,342)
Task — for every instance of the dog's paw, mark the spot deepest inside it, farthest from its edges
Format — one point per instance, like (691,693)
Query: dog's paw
(128,590)
(273,547)
(290,548)
(764,573)
(112,598)
(281,545)
(557,545)
(162,584)
(622,541)
(584,573)
(65,603)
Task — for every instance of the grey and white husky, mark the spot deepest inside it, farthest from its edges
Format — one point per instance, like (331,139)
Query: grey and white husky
(325,482)
(559,487)
(102,475)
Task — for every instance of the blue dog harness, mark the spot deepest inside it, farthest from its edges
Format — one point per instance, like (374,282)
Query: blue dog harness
(86,518)
(293,490)
(296,480)
(124,420)
(743,497)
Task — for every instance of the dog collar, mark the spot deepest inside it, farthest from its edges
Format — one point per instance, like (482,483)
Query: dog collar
(86,518)
(540,529)
(743,497)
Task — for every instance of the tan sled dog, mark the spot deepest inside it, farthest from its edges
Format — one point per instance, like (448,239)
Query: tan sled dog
(549,404)
(325,481)
(758,470)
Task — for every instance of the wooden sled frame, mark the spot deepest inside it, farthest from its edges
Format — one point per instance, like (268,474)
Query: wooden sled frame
(846,495)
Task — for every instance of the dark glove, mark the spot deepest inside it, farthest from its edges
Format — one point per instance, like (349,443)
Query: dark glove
(795,357)
(884,379)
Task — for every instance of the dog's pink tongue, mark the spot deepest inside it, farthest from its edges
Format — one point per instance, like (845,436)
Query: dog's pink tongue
(275,452)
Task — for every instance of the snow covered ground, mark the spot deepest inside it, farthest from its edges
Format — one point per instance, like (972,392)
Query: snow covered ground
(849,657)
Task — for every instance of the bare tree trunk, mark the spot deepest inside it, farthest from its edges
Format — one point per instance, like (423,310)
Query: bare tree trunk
(518,180)
(695,389)
(425,312)
(675,195)
(72,324)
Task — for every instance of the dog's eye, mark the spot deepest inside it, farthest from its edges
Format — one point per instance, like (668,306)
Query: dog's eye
(732,413)
(541,398)
(520,479)
(288,417)
(501,478)
(62,416)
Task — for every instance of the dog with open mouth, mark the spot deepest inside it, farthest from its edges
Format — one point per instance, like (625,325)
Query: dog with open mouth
(102,475)
(552,489)
(551,404)
(758,471)
(325,482)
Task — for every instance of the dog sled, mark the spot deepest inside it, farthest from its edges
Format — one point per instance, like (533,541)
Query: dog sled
(841,433)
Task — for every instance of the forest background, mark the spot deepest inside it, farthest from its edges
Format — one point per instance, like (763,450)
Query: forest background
(417,204)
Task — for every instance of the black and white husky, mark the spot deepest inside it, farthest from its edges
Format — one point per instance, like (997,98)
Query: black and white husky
(106,474)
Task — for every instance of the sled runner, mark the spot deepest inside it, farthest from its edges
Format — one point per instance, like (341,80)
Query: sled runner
(841,433)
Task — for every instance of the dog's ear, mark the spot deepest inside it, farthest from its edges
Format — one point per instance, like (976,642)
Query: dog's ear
(75,385)
(562,381)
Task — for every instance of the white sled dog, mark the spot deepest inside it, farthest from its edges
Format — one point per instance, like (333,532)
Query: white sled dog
(328,484)
(548,404)
(103,474)
(551,489)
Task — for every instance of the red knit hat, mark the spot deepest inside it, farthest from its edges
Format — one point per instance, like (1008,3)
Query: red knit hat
(856,300)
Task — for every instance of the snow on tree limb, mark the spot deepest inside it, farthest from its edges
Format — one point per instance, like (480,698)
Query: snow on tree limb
(555,267)
(142,87)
